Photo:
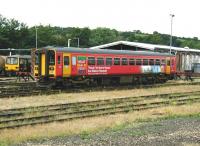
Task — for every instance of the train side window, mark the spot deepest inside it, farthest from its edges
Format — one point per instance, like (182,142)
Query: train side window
(145,62)
(138,62)
(131,61)
(22,61)
(151,62)
(100,61)
(168,62)
(91,61)
(73,60)
(66,60)
(157,61)
(163,62)
(108,61)
(124,61)
(116,61)
(58,59)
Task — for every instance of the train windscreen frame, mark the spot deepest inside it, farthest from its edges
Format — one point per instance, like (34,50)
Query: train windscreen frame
(12,60)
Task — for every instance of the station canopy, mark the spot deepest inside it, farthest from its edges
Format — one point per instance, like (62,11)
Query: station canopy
(136,46)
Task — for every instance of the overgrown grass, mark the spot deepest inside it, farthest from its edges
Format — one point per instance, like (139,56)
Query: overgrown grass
(168,117)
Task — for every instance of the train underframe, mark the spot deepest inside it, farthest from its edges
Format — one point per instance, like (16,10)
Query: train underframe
(105,80)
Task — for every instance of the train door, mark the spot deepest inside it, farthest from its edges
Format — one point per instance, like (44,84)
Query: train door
(43,64)
(168,65)
(59,64)
(66,64)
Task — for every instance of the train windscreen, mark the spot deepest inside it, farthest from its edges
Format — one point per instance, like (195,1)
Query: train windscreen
(12,60)
(36,58)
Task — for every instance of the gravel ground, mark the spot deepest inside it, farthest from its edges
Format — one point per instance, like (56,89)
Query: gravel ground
(170,132)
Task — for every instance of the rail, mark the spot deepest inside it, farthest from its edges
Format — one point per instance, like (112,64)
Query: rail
(13,118)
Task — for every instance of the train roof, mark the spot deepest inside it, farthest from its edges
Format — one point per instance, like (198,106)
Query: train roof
(105,51)
(20,56)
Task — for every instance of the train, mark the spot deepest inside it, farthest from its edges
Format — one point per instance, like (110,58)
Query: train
(67,66)
(11,65)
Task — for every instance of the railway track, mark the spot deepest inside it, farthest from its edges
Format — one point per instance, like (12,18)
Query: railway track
(13,118)
(30,88)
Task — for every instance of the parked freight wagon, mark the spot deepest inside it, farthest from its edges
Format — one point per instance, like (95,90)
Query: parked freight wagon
(185,61)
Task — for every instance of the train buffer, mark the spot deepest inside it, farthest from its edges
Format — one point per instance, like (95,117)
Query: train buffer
(26,76)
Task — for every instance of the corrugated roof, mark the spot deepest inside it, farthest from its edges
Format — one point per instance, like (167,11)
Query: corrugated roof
(104,51)
(145,46)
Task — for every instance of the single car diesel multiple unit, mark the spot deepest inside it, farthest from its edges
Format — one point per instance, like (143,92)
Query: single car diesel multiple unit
(95,66)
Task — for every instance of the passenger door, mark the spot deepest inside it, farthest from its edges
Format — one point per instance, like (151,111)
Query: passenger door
(43,64)
(59,64)
(168,63)
(66,64)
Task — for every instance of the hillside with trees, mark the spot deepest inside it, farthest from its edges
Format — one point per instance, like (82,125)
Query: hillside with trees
(15,34)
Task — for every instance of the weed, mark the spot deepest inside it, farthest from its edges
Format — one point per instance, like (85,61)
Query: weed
(85,135)
(5,142)
(119,127)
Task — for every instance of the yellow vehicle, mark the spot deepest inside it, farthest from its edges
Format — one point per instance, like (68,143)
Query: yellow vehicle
(17,63)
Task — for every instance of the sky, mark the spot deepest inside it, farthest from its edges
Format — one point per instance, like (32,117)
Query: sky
(122,15)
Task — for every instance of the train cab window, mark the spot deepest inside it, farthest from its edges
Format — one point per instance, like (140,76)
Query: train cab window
(151,62)
(163,62)
(66,60)
(91,61)
(131,61)
(157,61)
(100,61)
(138,62)
(12,60)
(51,59)
(36,59)
(58,59)
(116,61)
(108,61)
(145,62)
(124,61)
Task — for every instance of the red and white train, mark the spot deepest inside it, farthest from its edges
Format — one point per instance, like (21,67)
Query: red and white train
(95,66)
